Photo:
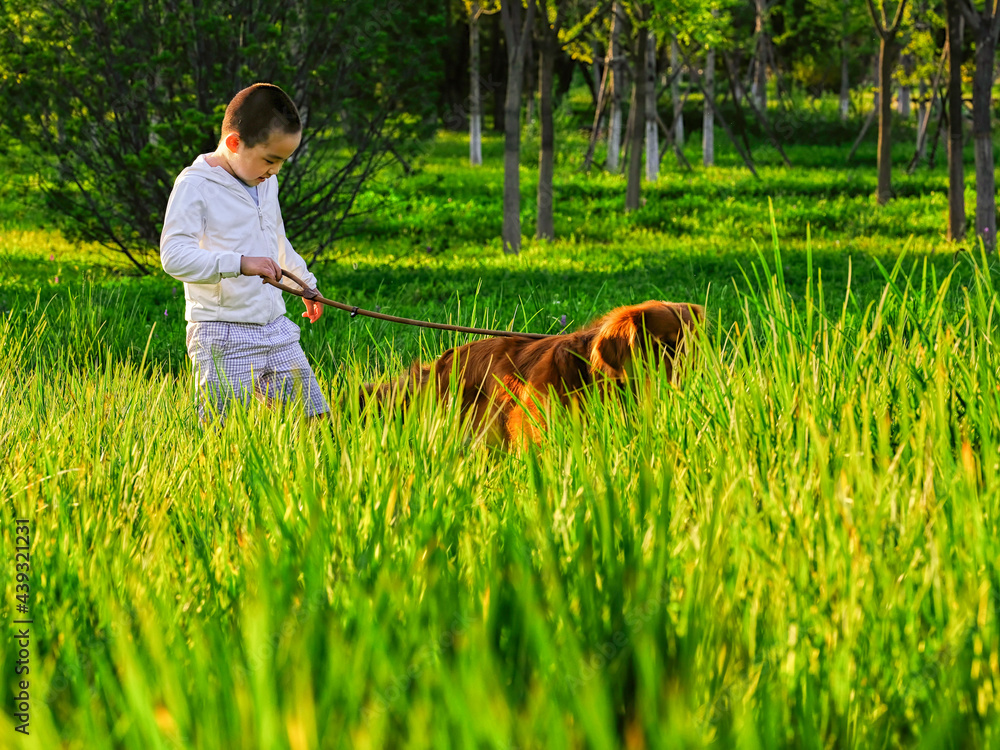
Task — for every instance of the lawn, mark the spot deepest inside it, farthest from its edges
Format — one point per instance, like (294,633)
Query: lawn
(797,546)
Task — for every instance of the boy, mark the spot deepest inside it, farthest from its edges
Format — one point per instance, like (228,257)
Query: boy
(222,229)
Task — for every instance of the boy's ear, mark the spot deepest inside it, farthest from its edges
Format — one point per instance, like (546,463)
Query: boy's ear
(233,142)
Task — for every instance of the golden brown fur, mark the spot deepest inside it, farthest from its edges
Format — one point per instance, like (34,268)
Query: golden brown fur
(504,383)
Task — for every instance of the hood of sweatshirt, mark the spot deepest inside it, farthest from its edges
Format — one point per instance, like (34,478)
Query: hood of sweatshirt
(220,176)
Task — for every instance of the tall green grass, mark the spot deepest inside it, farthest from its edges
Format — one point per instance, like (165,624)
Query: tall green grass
(797,546)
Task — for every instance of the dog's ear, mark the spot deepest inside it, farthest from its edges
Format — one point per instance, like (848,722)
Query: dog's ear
(612,346)
(624,329)
(668,321)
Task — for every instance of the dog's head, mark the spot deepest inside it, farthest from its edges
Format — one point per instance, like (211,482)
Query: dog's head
(626,332)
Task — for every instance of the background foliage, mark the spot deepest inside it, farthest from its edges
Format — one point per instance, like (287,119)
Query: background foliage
(795,548)
(113,99)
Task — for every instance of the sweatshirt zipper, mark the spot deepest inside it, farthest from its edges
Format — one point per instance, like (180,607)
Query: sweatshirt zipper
(263,229)
(260,218)
(246,196)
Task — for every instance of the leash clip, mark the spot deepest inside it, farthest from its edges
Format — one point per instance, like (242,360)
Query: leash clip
(354,311)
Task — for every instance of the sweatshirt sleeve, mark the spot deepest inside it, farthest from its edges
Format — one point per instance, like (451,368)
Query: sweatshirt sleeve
(181,253)
(288,258)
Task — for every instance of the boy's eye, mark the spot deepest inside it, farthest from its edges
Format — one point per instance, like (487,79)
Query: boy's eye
(269,161)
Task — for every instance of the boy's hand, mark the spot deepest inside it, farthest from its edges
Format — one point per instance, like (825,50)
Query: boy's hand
(252,265)
(313,310)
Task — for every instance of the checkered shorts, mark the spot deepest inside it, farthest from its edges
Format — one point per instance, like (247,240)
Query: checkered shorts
(241,360)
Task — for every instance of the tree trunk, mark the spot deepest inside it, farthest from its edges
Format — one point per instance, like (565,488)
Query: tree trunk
(887,59)
(602,99)
(927,109)
(615,118)
(563,69)
(887,56)
(731,76)
(596,69)
(652,136)
(921,117)
(475,99)
(875,69)
(982,85)
(675,94)
(845,79)
(547,50)
(956,168)
(708,117)
(498,70)
(637,115)
(516,34)
(529,78)
(760,77)
(845,82)
(903,102)
(710,102)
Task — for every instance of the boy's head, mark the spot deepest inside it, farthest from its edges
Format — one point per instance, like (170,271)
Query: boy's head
(260,131)
(258,111)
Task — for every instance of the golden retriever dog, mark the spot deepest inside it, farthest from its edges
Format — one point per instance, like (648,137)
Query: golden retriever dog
(506,383)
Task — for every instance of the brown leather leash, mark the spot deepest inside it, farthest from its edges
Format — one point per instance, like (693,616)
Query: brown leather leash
(313,294)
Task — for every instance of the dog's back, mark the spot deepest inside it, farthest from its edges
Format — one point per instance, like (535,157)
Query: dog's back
(503,383)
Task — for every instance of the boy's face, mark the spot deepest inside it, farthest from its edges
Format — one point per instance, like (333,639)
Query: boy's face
(256,164)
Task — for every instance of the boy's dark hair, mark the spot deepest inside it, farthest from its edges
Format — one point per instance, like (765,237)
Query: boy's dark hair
(257,111)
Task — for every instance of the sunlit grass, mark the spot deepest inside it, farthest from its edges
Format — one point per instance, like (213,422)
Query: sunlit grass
(796,546)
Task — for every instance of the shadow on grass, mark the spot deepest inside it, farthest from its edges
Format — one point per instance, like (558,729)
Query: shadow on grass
(115,318)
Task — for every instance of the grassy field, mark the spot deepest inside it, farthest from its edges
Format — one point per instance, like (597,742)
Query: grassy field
(798,547)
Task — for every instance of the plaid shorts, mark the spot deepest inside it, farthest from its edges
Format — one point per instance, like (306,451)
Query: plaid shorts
(242,360)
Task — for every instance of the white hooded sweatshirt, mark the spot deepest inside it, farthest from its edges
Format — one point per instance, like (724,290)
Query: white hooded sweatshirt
(211,222)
